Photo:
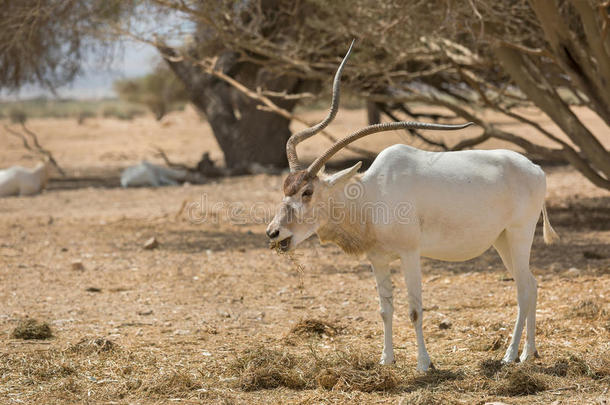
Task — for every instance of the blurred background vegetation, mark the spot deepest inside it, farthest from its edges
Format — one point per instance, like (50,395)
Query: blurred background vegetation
(246,65)
(45,107)
(160,91)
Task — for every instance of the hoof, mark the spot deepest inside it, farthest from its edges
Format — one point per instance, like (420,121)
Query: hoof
(425,366)
(387,361)
(510,357)
(528,357)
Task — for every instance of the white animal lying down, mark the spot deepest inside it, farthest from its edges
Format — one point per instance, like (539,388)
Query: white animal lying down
(146,174)
(411,203)
(18,180)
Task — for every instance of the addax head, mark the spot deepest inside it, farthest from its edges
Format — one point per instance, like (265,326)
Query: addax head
(295,219)
(305,206)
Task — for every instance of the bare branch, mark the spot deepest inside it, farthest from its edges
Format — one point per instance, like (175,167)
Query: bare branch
(283,94)
(469,143)
(38,148)
(161,153)
(529,51)
(432,116)
(414,132)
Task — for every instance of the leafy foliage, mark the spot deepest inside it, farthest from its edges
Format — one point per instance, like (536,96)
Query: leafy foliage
(45,41)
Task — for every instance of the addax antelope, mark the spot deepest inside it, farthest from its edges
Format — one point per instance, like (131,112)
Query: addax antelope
(21,181)
(412,203)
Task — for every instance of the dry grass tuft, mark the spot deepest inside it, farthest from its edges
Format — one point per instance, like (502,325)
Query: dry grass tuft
(519,381)
(263,368)
(601,369)
(574,366)
(315,327)
(587,309)
(97,345)
(351,371)
(46,367)
(435,377)
(73,374)
(423,397)
(569,366)
(490,367)
(32,329)
(179,384)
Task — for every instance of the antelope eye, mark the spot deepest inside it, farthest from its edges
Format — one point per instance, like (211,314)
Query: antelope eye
(307,193)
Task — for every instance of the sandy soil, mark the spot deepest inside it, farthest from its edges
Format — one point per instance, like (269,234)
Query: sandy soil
(180,316)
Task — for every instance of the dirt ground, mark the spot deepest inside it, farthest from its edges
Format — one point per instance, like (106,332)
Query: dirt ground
(208,316)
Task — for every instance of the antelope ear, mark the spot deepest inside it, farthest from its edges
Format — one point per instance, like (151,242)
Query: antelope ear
(343,176)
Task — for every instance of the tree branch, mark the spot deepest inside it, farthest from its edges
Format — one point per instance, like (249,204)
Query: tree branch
(413,132)
(39,149)
(161,153)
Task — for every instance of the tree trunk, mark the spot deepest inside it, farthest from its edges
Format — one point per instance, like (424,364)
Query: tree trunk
(373,113)
(245,134)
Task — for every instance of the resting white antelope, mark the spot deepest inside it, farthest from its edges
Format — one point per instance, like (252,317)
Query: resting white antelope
(412,203)
(146,174)
(18,180)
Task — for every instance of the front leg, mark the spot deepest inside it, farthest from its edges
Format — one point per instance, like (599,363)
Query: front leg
(383,277)
(412,271)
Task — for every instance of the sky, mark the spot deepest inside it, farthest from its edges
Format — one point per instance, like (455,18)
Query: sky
(137,59)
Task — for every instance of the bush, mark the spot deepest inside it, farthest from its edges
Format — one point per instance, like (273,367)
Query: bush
(160,91)
(17,115)
(127,113)
(83,115)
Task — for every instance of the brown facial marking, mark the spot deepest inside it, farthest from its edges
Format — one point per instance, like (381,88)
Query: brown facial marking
(294,181)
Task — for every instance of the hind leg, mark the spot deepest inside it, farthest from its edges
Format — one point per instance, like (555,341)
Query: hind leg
(412,271)
(514,246)
(521,259)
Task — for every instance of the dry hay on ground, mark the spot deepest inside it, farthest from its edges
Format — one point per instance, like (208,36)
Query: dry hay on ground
(264,368)
(32,329)
(315,327)
(171,319)
(518,381)
(352,370)
(589,309)
(490,367)
(99,367)
(96,345)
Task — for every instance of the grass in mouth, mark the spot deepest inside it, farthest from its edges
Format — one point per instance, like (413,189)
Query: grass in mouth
(294,260)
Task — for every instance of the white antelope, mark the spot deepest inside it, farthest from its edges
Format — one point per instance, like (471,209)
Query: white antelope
(411,203)
(18,180)
(146,174)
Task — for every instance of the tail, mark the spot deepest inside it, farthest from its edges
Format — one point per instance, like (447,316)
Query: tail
(548,233)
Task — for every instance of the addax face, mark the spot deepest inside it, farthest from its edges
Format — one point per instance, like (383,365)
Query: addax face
(305,206)
(295,219)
